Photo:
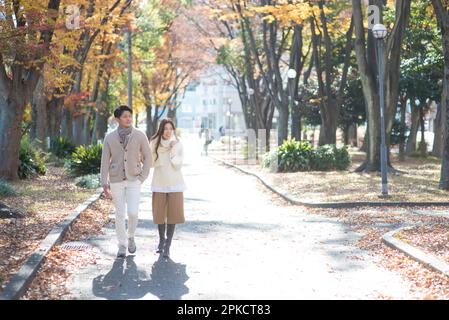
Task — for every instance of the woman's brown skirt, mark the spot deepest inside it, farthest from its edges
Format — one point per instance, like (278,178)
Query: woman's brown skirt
(168,207)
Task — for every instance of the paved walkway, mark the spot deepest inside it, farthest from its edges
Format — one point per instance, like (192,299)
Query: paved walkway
(236,244)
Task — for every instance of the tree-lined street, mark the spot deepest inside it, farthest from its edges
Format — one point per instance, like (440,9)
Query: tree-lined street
(237,244)
(339,106)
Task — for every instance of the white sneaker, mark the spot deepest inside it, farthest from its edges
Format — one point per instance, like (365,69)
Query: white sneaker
(121,252)
(131,245)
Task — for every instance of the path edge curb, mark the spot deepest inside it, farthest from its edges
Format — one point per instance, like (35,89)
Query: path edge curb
(331,205)
(416,254)
(20,281)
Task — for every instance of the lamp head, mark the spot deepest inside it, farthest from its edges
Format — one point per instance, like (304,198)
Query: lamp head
(379,31)
(291,74)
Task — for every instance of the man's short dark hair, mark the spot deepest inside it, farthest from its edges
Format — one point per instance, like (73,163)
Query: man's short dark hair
(119,111)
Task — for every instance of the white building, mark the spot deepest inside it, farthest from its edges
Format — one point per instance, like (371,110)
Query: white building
(211,102)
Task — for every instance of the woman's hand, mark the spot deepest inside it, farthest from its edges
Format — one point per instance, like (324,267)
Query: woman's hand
(172,143)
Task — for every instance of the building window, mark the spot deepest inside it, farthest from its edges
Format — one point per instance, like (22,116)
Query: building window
(186,108)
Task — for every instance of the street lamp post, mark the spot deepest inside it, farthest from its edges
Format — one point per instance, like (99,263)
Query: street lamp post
(229,114)
(130,71)
(380,32)
(291,74)
(253,113)
(252,105)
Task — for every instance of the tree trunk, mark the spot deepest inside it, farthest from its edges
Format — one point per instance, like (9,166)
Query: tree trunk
(411,140)
(101,126)
(403,124)
(443,21)
(392,61)
(16,90)
(330,102)
(437,149)
(328,128)
(54,113)
(39,123)
(283,124)
(151,129)
(368,76)
(77,127)
(373,139)
(352,133)
(272,50)
(100,121)
(296,123)
(172,114)
(444,176)
(67,124)
(422,144)
(85,136)
(11,115)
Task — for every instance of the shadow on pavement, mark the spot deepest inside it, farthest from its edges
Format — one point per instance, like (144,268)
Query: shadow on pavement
(168,279)
(124,281)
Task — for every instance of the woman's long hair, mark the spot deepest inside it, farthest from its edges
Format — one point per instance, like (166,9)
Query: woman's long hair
(160,131)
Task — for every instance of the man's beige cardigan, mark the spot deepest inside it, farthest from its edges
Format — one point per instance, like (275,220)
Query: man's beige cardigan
(119,164)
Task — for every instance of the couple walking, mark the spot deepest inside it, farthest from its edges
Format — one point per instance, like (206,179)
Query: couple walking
(125,164)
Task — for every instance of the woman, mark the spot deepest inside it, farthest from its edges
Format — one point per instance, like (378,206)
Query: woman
(167,184)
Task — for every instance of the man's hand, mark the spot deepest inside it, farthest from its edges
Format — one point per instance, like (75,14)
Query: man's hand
(107,191)
(172,143)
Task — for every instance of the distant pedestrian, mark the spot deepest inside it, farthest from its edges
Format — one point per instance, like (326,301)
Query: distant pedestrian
(207,141)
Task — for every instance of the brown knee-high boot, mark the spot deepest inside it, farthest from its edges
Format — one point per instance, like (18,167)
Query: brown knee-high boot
(170,232)
(161,229)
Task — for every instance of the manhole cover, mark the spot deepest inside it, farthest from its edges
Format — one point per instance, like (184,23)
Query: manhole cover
(76,245)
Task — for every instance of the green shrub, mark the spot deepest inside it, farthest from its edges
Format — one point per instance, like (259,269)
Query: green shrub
(31,159)
(398,133)
(342,158)
(6,190)
(291,156)
(269,160)
(85,160)
(62,147)
(91,181)
(294,156)
(323,158)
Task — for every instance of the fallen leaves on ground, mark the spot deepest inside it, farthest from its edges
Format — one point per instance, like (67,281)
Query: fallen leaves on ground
(433,239)
(50,282)
(91,221)
(372,223)
(45,201)
(53,277)
(418,182)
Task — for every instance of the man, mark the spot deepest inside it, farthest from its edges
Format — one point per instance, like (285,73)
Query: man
(207,140)
(125,164)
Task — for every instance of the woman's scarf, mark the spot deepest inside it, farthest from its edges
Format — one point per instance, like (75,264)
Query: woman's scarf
(165,145)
